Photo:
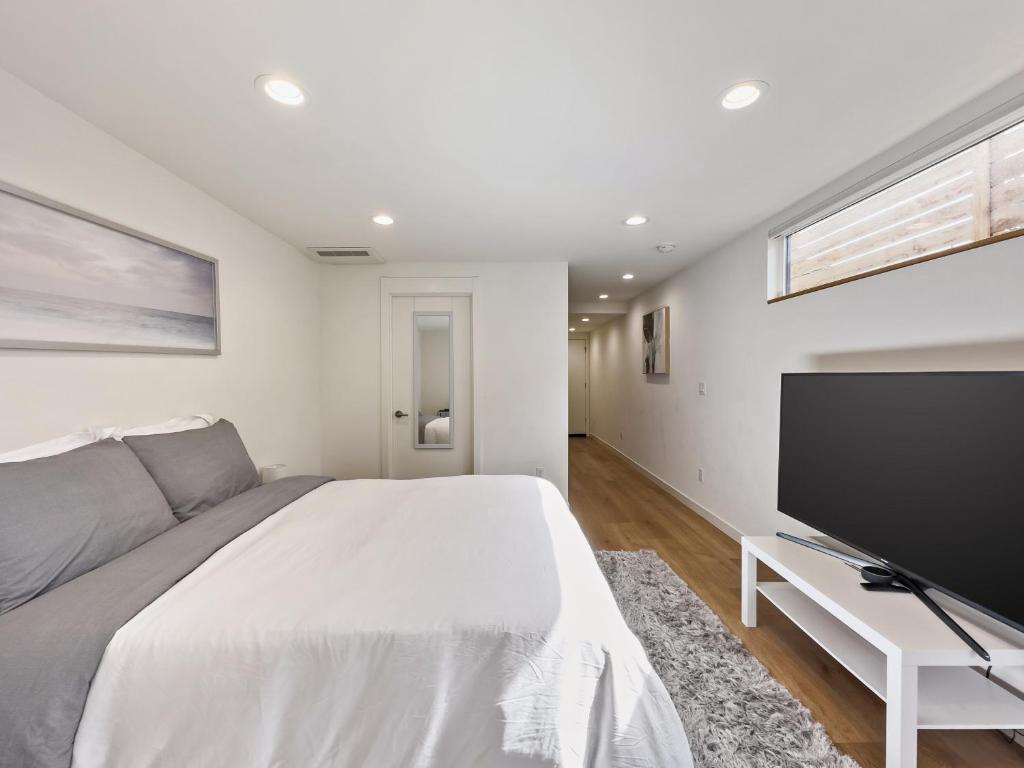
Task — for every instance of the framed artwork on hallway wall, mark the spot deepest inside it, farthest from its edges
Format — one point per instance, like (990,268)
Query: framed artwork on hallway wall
(73,281)
(655,342)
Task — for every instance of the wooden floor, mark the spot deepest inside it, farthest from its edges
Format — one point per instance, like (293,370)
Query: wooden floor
(620,508)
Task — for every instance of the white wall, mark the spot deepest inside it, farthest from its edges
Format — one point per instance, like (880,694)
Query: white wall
(521,313)
(960,312)
(267,379)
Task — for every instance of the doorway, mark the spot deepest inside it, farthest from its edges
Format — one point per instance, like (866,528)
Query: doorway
(427,388)
(579,388)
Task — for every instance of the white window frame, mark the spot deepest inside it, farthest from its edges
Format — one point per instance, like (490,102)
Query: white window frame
(984,127)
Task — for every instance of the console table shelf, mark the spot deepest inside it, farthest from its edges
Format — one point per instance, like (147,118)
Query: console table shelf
(891,643)
(948,697)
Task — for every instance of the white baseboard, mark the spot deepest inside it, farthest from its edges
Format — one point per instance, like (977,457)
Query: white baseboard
(701,510)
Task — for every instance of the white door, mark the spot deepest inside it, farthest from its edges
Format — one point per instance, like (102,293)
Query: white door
(431,409)
(578,387)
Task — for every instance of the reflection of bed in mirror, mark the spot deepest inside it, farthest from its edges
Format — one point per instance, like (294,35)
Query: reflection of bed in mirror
(437,431)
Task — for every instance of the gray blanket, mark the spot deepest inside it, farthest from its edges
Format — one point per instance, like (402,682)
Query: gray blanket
(51,647)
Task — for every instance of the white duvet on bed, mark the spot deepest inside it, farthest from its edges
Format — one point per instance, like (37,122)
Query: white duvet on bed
(443,622)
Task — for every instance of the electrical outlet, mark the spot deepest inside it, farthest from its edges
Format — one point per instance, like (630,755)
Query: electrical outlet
(700,474)
(702,388)
(539,471)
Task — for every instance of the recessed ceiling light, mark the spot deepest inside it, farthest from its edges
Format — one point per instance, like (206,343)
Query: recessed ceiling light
(628,276)
(585,319)
(571,330)
(743,94)
(383,219)
(635,221)
(281,90)
(603,296)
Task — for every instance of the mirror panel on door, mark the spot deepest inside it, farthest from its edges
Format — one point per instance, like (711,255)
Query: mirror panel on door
(433,385)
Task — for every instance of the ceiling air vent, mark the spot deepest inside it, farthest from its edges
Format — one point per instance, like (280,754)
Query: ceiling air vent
(338,255)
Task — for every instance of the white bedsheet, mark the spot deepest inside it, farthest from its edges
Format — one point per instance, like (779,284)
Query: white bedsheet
(437,431)
(443,622)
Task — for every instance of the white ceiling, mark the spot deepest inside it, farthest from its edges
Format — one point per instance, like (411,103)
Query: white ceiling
(513,130)
(597,319)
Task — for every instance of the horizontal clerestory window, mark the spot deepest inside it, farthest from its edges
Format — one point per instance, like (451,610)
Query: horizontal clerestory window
(971,198)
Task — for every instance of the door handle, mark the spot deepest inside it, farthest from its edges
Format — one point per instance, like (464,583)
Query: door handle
(400,414)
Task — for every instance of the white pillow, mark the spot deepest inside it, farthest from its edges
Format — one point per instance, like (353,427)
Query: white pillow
(95,434)
(179,424)
(51,447)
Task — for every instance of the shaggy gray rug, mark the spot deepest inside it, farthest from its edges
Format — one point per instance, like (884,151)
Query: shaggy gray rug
(735,713)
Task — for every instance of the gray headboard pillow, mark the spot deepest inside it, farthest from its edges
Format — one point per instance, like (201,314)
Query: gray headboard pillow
(198,468)
(64,515)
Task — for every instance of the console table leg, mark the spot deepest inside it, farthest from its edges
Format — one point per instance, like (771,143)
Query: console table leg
(900,714)
(748,588)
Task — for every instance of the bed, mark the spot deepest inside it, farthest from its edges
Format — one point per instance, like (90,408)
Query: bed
(439,622)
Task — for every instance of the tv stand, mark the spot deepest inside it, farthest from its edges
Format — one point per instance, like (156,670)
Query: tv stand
(889,641)
(881,578)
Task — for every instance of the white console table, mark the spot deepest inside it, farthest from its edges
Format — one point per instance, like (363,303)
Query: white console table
(890,642)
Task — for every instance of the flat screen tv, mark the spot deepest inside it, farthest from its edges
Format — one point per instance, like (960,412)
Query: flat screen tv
(924,471)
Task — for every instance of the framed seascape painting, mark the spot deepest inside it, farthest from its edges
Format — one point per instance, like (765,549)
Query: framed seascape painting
(655,327)
(73,281)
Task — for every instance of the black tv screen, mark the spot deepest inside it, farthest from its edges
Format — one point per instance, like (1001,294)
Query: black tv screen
(924,471)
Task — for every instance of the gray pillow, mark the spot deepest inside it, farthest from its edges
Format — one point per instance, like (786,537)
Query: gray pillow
(64,515)
(198,468)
